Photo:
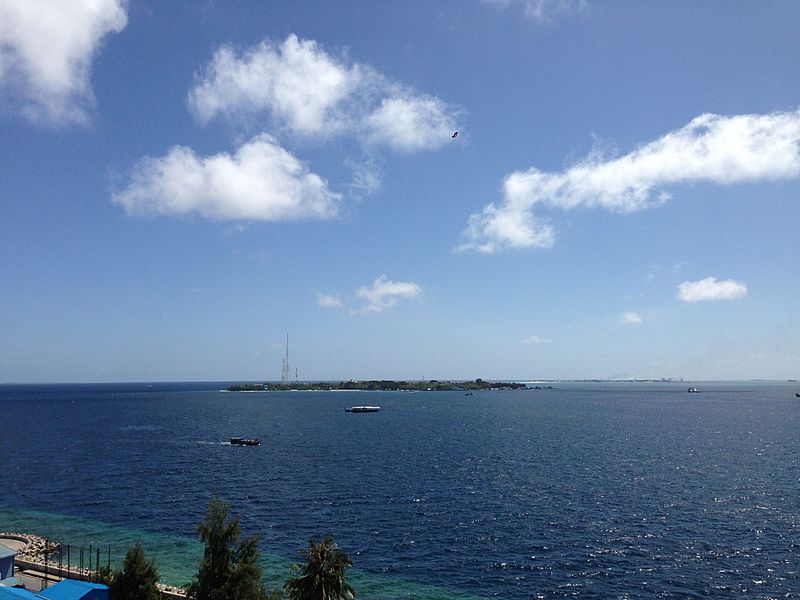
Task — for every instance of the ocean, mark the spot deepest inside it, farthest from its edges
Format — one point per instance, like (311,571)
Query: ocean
(588,490)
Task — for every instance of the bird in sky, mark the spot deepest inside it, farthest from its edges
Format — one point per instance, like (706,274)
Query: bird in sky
(455,135)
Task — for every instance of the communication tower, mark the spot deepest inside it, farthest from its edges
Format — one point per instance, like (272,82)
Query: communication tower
(285,369)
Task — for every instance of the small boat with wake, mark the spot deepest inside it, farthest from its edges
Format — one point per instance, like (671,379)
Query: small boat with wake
(693,390)
(245,441)
(362,409)
(797,394)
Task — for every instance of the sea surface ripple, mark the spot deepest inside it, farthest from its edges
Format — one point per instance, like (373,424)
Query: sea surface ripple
(586,490)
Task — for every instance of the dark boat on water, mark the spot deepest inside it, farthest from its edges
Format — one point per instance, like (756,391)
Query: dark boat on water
(363,409)
(245,442)
(797,394)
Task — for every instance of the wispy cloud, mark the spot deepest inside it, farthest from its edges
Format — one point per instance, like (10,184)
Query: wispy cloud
(367,177)
(631,318)
(260,181)
(46,51)
(329,300)
(384,294)
(719,149)
(543,11)
(711,289)
(307,92)
(533,340)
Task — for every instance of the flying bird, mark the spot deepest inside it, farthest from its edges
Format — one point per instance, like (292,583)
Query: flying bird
(455,135)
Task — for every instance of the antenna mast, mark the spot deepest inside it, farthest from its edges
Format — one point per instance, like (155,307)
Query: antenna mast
(285,370)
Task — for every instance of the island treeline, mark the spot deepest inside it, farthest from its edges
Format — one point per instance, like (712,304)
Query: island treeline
(380,385)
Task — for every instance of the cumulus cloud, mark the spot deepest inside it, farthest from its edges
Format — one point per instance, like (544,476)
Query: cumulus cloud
(297,81)
(719,149)
(496,228)
(260,181)
(631,318)
(46,51)
(384,294)
(533,340)
(329,300)
(409,122)
(310,92)
(711,289)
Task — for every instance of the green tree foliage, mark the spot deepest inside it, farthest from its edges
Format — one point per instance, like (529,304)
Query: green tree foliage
(323,577)
(431,385)
(138,578)
(104,575)
(229,569)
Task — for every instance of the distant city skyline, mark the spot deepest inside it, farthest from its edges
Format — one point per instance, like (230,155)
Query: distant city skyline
(183,183)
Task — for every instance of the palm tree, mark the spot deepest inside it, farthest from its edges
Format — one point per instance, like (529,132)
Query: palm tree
(323,577)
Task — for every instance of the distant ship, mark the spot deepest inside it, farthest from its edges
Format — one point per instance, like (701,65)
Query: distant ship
(245,442)
(362,409)
(693,390)
(797,394)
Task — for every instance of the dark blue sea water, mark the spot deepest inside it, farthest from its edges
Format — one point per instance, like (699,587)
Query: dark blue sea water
(589,491)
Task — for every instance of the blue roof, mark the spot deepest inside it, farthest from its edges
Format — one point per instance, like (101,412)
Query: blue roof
(10,582)
(5,551)
(70,589)
(17,594)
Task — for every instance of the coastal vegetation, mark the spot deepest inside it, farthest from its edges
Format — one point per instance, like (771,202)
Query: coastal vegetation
(229,569)
(323,575)
(137,580)
(380,385)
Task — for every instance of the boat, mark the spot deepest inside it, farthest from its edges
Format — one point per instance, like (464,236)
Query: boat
(362,409)
(797,394)
(693,390)
(245,442)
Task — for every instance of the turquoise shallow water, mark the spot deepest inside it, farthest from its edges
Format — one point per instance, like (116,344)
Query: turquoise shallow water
(595,490)
(177,557)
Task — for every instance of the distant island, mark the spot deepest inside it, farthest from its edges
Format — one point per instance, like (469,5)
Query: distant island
(382,385)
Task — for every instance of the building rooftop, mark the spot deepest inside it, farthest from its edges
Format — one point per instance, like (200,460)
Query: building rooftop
(5,551)
(70,589)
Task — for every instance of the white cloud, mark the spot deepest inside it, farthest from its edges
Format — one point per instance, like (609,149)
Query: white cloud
(329,300)
(367,177)
(711,289)
(532,340)
(543,11)
(310,92)
(297,81)
(46,51)
(260,181)
(495,228)
(384,294)
(631,318)
(409,122)
(714,148)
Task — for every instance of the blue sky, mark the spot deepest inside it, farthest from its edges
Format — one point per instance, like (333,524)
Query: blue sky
(181,183)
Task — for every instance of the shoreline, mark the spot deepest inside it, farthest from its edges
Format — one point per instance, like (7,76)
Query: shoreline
(41,554)
(34,548)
